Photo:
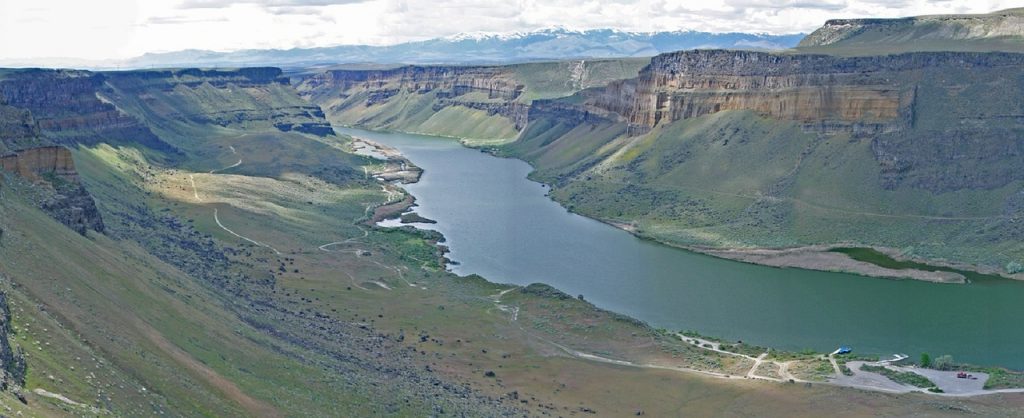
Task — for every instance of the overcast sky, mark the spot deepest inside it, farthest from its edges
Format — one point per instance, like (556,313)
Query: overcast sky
(110,29)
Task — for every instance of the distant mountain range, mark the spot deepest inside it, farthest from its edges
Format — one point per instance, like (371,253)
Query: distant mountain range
(469,48)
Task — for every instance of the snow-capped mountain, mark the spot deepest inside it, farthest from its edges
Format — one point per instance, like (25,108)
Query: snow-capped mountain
(481,48)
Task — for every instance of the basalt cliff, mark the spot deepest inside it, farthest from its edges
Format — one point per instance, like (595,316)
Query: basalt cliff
(474,102)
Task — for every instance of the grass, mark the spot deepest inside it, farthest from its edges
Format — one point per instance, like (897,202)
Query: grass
(878,258)
(998,377)
(907,378)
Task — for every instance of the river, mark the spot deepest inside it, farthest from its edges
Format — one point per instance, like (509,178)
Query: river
(502,226)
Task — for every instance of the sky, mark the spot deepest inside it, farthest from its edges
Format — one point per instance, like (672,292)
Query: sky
(119,29)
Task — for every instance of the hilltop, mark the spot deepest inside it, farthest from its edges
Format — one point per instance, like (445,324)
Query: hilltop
(997,31)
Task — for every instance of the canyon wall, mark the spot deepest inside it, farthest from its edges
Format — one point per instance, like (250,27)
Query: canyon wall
(246,97)
(932,116)
(68,110)
(493,90)
(17,128)
(863,95)
(466,101)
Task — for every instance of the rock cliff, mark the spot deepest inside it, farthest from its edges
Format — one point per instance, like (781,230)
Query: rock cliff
(33,162)
(917,107)
(67,108)
(467,101)
(493,90)
(59,191)
(17,129)
(864,95)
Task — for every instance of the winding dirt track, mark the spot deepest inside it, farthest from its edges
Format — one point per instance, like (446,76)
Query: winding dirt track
(216,218)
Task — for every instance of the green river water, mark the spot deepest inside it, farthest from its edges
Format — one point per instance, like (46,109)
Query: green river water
(503,227)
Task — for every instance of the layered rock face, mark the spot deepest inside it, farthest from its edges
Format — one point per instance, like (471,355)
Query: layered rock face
(941,121)
(491,89)
(864,95)
(67,109)
(229,98)
(61,194)
(33,162)
(449,81)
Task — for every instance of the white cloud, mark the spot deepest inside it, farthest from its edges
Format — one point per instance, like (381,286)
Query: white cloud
(124,28)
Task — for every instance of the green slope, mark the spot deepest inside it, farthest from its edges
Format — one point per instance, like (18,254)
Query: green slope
(734,179)
(996,31)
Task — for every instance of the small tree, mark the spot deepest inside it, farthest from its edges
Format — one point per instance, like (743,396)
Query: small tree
(1014,267)
(926,360)
(943,362)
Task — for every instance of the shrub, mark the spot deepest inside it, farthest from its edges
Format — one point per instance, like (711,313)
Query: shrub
(1014,267)
(943,362)
(926,360)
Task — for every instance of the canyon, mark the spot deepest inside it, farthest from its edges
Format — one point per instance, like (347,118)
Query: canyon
(202,241)
(935,125)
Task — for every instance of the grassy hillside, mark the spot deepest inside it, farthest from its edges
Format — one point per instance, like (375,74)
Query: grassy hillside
(546,80)
(735,180)
(422,113)
(996,31)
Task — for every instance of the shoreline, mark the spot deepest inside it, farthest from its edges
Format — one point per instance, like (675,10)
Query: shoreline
(820,257)
(395,209)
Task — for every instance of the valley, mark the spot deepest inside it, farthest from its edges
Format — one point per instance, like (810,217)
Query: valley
(484,240)
(501,226)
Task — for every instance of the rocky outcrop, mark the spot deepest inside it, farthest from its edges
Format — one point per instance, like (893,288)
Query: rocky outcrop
(1001,24)
(66,106)
(447,81)
(12,360)
(35,162)
(60,193)
(17,129)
